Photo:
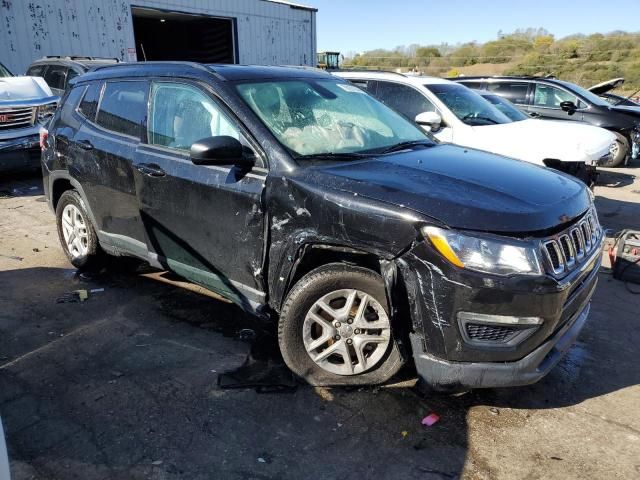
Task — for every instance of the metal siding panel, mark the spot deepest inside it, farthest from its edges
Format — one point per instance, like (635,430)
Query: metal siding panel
(267,32)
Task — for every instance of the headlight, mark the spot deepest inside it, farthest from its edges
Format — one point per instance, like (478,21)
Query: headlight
(482,254)
(45,112)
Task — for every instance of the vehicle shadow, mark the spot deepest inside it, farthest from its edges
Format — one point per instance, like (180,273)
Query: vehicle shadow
(20,184)
(616,215)
(123,385)
(614,178)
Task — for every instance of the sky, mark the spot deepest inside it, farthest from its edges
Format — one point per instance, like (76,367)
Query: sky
(360,25)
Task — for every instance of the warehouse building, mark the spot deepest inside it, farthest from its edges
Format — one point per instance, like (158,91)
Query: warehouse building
(266,32)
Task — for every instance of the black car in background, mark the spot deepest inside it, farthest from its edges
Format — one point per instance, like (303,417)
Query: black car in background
(305,200)
(544,97)
(58,70)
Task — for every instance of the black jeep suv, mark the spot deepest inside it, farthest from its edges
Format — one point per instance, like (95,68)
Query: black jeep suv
(553,99)
(302,198)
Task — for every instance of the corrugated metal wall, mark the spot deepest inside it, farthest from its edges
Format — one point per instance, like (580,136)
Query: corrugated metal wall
(268,33)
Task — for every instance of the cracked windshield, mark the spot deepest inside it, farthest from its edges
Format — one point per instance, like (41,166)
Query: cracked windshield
(327,117)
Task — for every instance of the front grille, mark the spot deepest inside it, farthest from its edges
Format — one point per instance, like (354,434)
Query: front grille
(567,249)
(17,117)
(490,333)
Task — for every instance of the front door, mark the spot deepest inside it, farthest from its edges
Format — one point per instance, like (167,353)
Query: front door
(546,103)
(205,223)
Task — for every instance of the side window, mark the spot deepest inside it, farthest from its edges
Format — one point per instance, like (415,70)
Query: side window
(89,104)
(181,114)
(69,103)
(551,97)
(123,107)
(367,86)
(55,76)
(515,92)
(403,99)
(472,85)
(36,71)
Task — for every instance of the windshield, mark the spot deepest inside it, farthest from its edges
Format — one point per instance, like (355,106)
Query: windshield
(586,94)
(467,105)
(506,107)
(4,72)
(315,117)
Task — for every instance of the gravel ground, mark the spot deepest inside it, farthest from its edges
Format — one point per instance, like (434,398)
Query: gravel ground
(124,385)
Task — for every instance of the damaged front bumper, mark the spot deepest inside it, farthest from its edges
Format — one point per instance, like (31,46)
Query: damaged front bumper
(22,153)
(547,315)
(530,369)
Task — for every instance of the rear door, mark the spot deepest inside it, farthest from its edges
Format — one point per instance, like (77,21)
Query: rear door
(547,99)
(516,92)
(106,144)
(205,223)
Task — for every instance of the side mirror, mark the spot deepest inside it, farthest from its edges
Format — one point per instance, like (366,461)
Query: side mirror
(222,150)
(569,107)
(430,120)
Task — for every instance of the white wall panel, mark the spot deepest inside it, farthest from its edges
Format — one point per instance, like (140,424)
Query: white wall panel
(269,33)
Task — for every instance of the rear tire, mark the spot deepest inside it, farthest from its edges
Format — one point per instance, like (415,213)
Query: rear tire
(341,309)
(76,233)
(621,150)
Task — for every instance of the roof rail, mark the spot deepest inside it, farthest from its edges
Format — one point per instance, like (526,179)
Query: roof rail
(364,70)
(82,57)
(196,65)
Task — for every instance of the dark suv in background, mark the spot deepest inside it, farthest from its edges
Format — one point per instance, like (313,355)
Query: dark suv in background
(550,98)
(58,70)
(302,198)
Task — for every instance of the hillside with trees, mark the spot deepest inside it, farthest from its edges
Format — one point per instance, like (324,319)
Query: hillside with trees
(583,59)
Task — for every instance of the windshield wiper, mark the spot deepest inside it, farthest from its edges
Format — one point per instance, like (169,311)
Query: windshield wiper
(334,156)
(479,117)
(406,145)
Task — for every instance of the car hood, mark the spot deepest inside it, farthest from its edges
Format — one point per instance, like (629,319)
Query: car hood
(535,140)
(624,109)
(20,89)
(604,87)
(463,188)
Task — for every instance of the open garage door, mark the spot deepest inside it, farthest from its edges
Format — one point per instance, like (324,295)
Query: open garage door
(163,35)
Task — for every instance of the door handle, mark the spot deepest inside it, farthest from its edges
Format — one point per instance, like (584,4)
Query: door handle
(150,170)
(85,145)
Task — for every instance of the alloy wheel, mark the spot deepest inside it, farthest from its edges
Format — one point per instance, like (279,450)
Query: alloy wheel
(74,231)
(346,332)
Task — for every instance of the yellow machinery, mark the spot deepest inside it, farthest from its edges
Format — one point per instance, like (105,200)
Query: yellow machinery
(329,60)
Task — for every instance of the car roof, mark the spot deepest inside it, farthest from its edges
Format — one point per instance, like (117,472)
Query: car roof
(222,72)
(393,76)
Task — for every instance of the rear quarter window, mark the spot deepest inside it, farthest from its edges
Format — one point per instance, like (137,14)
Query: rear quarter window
(515,92)
(89,104)
(123,107)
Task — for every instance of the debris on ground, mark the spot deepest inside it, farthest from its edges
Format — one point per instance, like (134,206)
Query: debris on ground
(404,433)
(77,296)
(430,419)
(494,411)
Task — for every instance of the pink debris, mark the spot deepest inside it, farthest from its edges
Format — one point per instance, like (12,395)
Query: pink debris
(430,419)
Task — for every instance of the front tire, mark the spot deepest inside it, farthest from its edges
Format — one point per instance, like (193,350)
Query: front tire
(620,151)
(76,233)
(335,328)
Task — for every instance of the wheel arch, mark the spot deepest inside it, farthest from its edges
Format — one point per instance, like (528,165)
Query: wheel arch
(61,182)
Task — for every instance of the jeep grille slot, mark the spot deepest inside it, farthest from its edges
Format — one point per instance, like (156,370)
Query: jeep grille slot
(14,118)
(565,250)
